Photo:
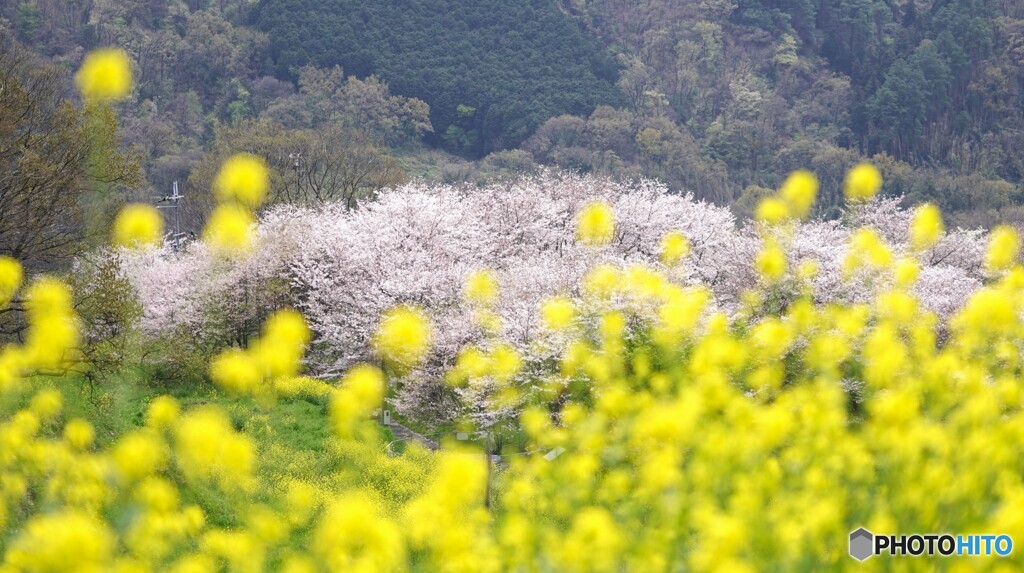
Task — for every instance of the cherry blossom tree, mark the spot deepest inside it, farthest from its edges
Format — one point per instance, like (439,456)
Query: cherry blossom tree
(417,244)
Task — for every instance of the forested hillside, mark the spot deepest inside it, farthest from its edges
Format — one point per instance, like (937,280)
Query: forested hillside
(491,70)
(721,98)
(728,96)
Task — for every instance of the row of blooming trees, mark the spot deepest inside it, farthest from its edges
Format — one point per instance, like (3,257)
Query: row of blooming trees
(418,244)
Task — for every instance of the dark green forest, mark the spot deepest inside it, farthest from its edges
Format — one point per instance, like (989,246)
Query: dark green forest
(721,98)
(492,71)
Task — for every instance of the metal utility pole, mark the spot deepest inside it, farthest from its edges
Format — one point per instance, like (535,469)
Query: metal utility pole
(172,201)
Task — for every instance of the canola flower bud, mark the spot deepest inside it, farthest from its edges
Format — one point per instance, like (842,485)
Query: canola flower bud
(138,225)
(808,270)
(157,494)
(403,336)
(361,392)
(867,249)
(244,178)
(208,448)
(602,280)
(674,247)
(352,535)
(79,433)
(235,371)
(558,313)
(47,404)
(366,384)
(106,74)
(279,350)
(862,182)
(1003,248)
(139,454)
(53,328)
(162,412)
(772,211)
(799,191)
(595,224)
(505,363)
(71,540)
(471,364)
(229,228)
(906,272)
(771,263)
(11,276)
(926,228)
(481,287)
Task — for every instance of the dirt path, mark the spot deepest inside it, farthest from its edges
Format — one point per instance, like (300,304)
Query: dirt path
(407,435)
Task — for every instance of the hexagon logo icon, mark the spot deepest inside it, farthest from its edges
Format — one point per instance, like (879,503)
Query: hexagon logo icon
(861,544)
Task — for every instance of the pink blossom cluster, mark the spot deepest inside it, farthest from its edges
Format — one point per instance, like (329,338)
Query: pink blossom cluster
(416,244)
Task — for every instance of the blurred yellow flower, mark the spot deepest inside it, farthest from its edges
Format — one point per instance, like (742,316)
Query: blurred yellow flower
(235,371)
(596,224)
(862,182)
(229,228)
(138,225)
(1003,248)
(69,540)
(403,336)
(106,74)
(772,210)
(139,454)
(674,247)
(481,287)
(10,279)
(79,433)
(799,191)
(244,178)
(558,313)
(162,412)
(926,227)
(771,263)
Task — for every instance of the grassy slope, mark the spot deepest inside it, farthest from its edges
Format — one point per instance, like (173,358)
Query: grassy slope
(292,439)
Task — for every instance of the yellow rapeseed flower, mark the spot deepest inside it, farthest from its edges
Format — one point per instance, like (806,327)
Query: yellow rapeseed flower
(235,371)
(674,247)
(53,328)
(772,210)
(906,272)
(79,433)
(862,182)
(596,224)
(70,540)
(244,178)
(279,350)
(106,74)
(799,191)
(11,276)
(1003,247)
(229,228)
(139,454)
(138,225)
(558,313)
(481,287)
(361,393)
(403,336)
(208,448)
(926,228)
(47,403)
(771,263)
(867,248)
(354,536)
(162,412)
